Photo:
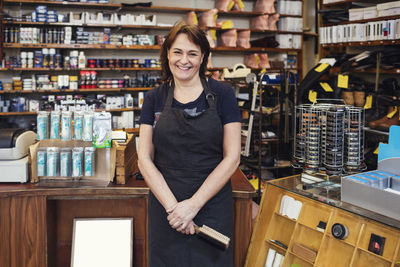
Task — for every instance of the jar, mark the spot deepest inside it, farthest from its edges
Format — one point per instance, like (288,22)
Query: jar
(73,82)
(114,83)
(108,84)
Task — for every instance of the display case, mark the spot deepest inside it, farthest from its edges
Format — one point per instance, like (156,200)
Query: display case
(323,246)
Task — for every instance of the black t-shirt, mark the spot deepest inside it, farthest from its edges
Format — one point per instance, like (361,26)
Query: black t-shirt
(227,106)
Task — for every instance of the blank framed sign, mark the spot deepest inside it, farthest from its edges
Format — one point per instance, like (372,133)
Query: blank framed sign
(102,242)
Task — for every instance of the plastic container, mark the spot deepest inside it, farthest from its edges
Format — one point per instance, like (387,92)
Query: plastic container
(65,162)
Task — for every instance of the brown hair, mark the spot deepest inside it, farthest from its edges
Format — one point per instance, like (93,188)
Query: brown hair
(196,35)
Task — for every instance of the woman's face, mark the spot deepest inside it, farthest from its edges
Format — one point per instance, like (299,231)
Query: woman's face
(184,58)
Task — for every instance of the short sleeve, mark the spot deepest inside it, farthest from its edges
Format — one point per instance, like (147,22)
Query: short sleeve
(147,112)
(229,110)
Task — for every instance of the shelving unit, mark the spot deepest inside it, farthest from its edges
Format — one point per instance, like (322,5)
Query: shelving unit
(352,251)
(137,50)
(375,74)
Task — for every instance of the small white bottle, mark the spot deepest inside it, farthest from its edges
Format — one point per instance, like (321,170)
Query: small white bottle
(81,60)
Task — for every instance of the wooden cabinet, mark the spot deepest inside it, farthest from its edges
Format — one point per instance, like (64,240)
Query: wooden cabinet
(36,222)
(330,251)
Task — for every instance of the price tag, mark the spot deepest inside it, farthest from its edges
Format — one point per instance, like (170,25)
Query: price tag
(322,67)
(391,114)
(343,81)
(230,5)
(241,5)
(368,102)
(326,87)
(227,24)
(312,96)
(213,34)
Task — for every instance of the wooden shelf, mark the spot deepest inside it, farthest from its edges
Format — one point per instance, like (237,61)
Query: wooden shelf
(60,3)
(94,90)
(283,216)
(130,130)
(136,8)
(361,21)
(338,3)
(27,113)
(310,228)
(300,257)
(275,245)
(366,43)
(253,49)
(329,235)
(95,69)
(311,34)
(17,113)
(83,46)
(252,30)
(373,254)
(63,24)
(369,70)
(143,47)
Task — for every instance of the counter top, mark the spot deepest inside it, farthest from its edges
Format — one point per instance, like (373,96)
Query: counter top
(241,188)
(294,184)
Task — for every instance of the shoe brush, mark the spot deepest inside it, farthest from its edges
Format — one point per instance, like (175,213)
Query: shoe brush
(212,236)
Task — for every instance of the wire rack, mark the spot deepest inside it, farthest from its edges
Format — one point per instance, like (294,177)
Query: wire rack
(329,138)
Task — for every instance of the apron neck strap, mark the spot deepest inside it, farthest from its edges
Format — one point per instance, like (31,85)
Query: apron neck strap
(210,96)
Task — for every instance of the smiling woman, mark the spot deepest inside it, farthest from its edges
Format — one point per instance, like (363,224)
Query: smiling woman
(189,146)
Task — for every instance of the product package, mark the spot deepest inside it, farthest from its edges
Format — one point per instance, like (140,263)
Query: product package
(89,161)
(42,125)
(66,125)
(102,130)
(78,125)
(55,125)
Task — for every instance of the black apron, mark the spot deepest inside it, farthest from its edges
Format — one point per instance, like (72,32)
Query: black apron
(186,150)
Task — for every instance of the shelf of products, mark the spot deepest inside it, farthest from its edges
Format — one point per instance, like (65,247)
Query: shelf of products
(366,82)
(15,24)
(80,91)
(27,113)
(367,43)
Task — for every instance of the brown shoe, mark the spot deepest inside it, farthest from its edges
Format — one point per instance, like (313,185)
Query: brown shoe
(385,125)
(348,97)
(375,124)
(359,98)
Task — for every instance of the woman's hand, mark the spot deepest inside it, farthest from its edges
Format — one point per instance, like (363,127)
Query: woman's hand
(181,216)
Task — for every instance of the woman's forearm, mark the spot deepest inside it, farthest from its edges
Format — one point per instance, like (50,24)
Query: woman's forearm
(215,181)
(156,183)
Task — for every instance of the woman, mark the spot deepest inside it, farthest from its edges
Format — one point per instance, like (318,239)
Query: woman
(188,157)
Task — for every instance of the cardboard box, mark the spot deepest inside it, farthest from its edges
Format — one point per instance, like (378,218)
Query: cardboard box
(126,163)
(105,159)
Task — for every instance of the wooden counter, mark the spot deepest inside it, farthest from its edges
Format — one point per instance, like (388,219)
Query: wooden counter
(36,222)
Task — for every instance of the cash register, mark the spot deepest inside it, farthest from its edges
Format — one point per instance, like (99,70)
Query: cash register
(14,147)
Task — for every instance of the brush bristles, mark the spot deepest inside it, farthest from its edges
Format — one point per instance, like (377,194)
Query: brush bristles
(213,236)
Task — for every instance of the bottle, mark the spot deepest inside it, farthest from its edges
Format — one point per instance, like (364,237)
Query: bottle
(81,60)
